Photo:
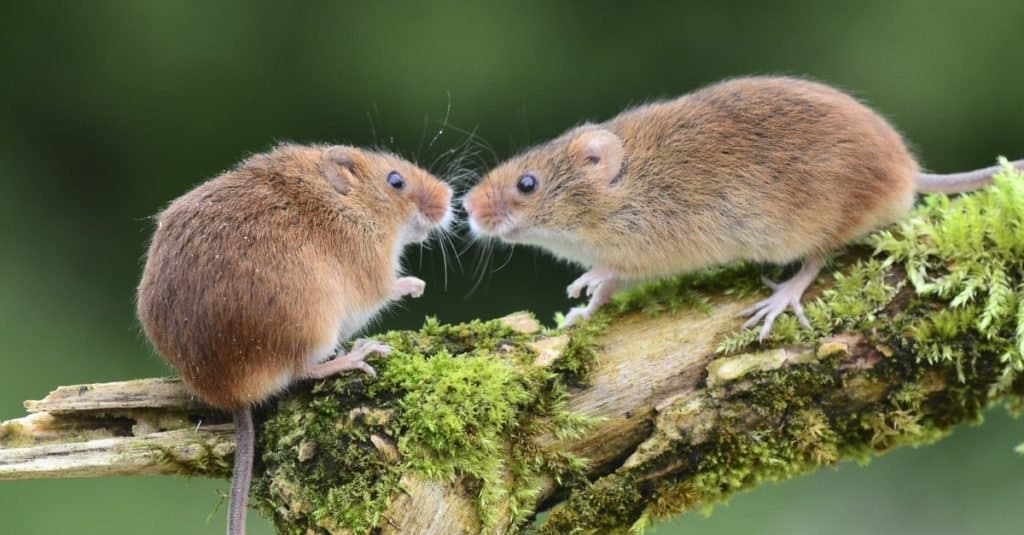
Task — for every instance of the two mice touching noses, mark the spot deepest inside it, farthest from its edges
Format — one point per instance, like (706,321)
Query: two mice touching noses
(255,278)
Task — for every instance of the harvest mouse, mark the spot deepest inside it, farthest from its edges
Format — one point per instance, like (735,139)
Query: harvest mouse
(768,169)
(254,278)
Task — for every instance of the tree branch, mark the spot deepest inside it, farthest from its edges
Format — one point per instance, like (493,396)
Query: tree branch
(141,427)
(682,409)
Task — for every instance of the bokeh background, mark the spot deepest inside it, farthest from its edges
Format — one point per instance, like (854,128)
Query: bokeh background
(111,109)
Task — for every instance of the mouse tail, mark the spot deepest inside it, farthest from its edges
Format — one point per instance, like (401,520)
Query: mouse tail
(241,477)
(960,182)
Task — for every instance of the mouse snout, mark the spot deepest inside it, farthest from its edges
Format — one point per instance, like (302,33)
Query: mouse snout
(434,202)
(472,203)
(469,206)
(487,214)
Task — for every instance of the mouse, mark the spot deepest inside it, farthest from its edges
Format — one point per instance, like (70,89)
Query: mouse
(771,169)
(254,278)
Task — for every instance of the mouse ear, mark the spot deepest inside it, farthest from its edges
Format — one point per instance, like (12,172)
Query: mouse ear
(601,151)
(339,165)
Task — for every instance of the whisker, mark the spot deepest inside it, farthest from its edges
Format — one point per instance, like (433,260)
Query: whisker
(508,260)
(455,160)
(444,122)
(446,236)
(444,261)
(483,259)
(469,243)
(478,141)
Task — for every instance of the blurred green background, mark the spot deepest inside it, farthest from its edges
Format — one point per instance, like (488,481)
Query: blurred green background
(111,109)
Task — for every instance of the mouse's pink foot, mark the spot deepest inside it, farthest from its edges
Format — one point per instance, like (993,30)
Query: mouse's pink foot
(576,315)
(355,359)
(590,282)
(411,286)
(785,295)
(599,284)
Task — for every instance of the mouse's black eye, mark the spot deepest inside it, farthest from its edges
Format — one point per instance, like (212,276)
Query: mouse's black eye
(395,180)
(527,183)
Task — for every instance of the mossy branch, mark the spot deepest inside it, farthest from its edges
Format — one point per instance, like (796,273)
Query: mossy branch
(658,406)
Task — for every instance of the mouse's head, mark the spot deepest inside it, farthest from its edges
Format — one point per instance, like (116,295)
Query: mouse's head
(401,195)
(549,192)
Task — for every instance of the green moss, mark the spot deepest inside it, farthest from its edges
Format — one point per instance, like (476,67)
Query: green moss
(667,295)
(966,254)
(12,435)
(457,403)
(581,352)
(600,508)
(690,291)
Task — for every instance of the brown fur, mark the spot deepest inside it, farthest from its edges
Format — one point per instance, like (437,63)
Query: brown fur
(764,168)
(252,272)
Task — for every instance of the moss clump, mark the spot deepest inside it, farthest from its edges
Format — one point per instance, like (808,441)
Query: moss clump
(968,255)
(321,471)
(600,508)
(472,417)
(12,435)
(458,403)
(581,352)
(690,291)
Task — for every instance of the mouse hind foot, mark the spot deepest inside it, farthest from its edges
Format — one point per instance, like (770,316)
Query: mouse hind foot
(355,359)
(785,294)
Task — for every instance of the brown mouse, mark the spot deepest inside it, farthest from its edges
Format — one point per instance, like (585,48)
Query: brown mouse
(768,169)
(254,278)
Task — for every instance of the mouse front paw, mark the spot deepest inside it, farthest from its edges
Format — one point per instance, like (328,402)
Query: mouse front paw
(590,283)
(576,315)
(411,286)
(599,284)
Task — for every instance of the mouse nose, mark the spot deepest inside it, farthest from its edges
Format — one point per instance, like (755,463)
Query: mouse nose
(467,205)
(433,201)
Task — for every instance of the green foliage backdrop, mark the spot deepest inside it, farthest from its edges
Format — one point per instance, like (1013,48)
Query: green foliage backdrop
(111,109)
